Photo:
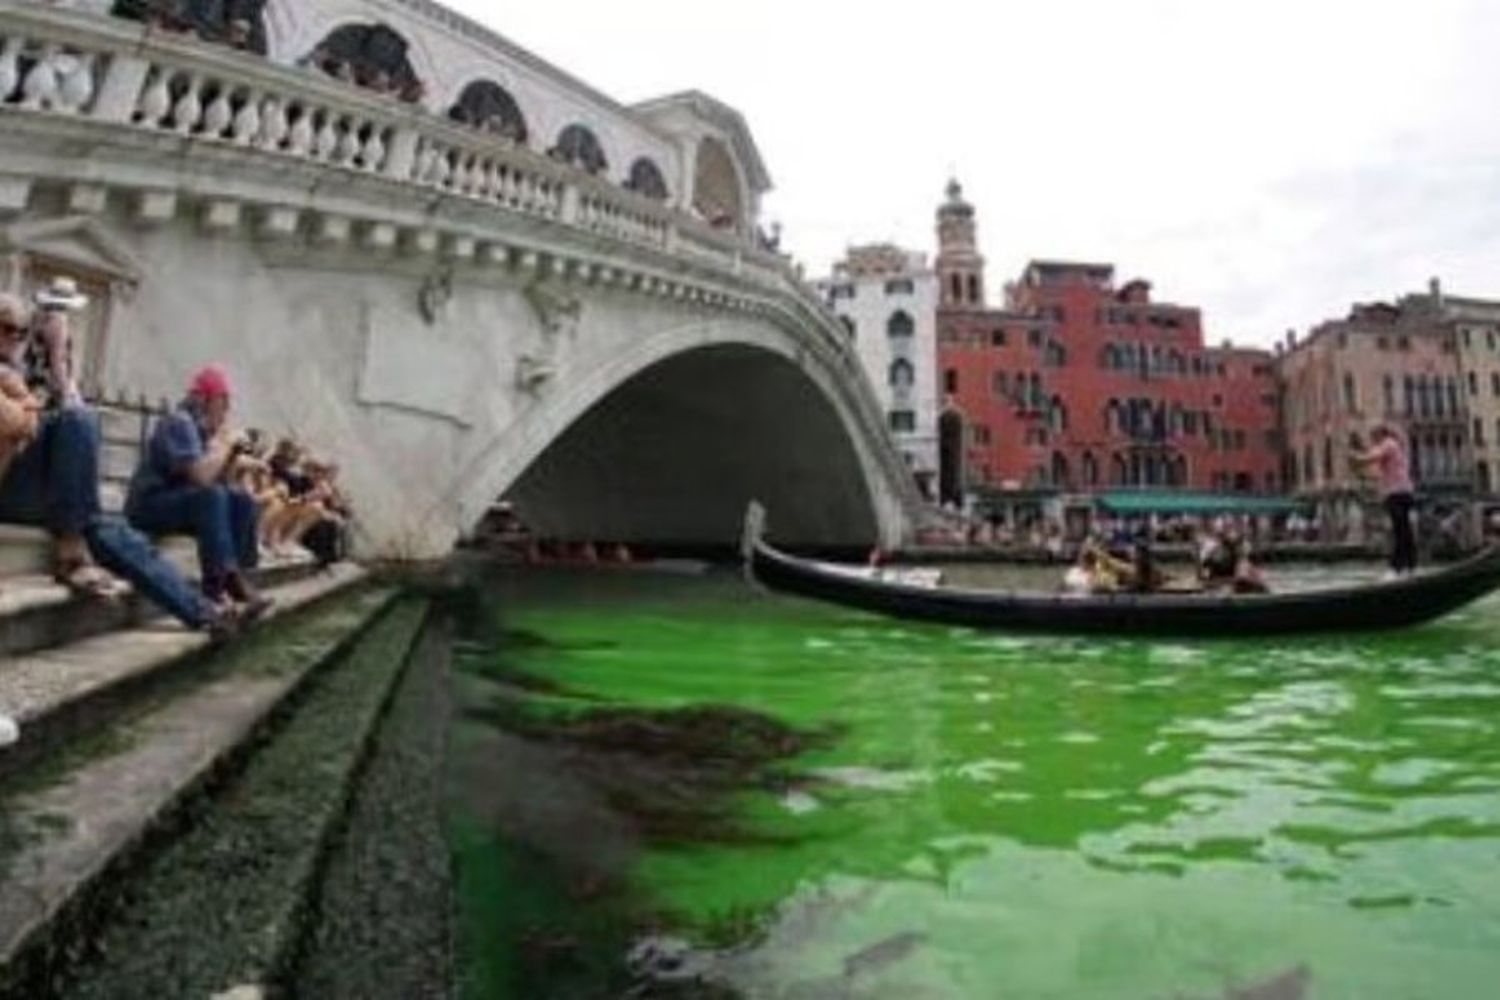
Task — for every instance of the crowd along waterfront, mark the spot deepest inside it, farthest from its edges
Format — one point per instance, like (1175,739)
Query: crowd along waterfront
(814,802)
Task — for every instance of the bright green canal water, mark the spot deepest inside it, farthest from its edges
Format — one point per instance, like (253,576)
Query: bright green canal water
(1004,816)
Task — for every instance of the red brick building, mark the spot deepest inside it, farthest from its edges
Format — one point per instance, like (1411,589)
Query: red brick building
(1077,385)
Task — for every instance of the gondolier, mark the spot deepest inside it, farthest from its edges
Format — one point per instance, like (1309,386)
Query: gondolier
(1387,457)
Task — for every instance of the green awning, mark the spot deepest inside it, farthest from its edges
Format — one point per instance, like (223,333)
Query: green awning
(1142,502)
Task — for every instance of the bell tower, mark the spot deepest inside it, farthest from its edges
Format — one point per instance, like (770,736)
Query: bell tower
(960,268)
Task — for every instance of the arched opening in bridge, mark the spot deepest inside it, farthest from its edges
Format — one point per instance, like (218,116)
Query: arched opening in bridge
(951,458)
(487,106)
(368,55)
(717,196)
(240,24)
(671,458)
(646,178)
(579,147)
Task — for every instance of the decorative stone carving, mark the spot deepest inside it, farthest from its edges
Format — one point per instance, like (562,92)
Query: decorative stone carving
(559,312)
(435,294)
(533,372)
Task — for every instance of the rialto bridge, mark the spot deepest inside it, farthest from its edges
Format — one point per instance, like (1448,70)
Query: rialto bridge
(452,267)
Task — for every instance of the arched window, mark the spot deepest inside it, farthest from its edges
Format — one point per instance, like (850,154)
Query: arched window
(1176,364)
(716,186)
(1308,474)
(1057,355)
(370,55)
(974,288)
(1060,471)
(1037,400)
(1119,473)
(577,146)
(1057,415)
(902,375)
(487,106)
(645,178)
(900,324)
(956,289)
(1108,357)
(1090,469)
(1113,418)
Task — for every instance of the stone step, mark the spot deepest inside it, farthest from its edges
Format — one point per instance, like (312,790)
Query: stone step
(27,551)
(37,613)
(105,811)
(58,693)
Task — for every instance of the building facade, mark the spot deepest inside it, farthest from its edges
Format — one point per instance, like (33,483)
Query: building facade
(1474,325)
(1077,385)
(1383,363)
(886,297)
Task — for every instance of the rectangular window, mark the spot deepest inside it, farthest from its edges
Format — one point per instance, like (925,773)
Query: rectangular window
(1495,383)
(1388,387)
(1383,343)
(1351,396)
(899,286)
(997,338)
(1034,338)
(1478,432)
(1000,385)
(1403,343)
(950,380)
(903,421)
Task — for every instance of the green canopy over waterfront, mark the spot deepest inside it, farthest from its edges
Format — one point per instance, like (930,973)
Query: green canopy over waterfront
(1141,502)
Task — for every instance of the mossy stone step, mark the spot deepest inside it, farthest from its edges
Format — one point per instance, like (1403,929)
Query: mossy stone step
(222,907)
(66,828)
(60,692)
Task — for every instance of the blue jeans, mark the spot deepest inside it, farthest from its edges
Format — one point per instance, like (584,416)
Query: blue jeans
(126,553)
(54,483)
(222,520)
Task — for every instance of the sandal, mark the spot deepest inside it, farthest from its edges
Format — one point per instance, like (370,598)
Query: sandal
(87,580)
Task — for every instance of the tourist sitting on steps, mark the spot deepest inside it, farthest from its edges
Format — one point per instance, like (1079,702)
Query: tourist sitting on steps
(50,439)
(54,480)
(179,488)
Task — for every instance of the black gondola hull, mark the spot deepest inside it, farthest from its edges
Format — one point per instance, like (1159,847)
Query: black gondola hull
(1386,605)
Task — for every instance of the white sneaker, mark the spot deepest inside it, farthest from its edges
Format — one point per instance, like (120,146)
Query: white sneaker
(9,731)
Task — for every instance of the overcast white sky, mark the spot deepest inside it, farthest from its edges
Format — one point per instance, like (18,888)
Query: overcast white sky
(1268,160)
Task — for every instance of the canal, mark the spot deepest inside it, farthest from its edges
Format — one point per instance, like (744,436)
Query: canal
(673,785)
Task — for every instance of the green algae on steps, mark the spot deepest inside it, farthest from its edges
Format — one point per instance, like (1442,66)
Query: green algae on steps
(272,650)
(381,928)
(220,905)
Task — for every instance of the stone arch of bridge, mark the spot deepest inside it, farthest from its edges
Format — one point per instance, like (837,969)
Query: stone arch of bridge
(667,442)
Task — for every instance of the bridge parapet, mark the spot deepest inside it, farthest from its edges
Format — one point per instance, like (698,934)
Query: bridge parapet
(100,111)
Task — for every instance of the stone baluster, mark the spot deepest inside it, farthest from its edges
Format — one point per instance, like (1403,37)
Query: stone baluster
(219,114)
(442,168)
(373,155)
(77,86)
(328,138)
(41,85)
(349,144)
(273,123)
(301,138)
(188,110)
(10,69)
(120,84)
(246,124)
(424,167)
(490,188)
(156,99)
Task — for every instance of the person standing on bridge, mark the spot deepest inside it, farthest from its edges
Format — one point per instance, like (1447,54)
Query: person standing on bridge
(179,488)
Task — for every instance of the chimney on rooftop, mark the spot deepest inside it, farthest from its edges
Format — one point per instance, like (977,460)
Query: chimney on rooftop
(1435,292)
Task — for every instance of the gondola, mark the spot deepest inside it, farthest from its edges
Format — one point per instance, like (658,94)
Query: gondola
(1391,604)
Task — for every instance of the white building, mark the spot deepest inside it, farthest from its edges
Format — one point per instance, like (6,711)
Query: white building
(887,299)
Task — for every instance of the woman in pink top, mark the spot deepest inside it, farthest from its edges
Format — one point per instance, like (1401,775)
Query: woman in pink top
(1387,457)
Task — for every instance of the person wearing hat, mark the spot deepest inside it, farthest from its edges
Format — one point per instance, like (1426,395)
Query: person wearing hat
(179,488)
(52,476)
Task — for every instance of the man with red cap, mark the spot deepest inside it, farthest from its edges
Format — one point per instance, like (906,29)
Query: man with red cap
(179,488)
